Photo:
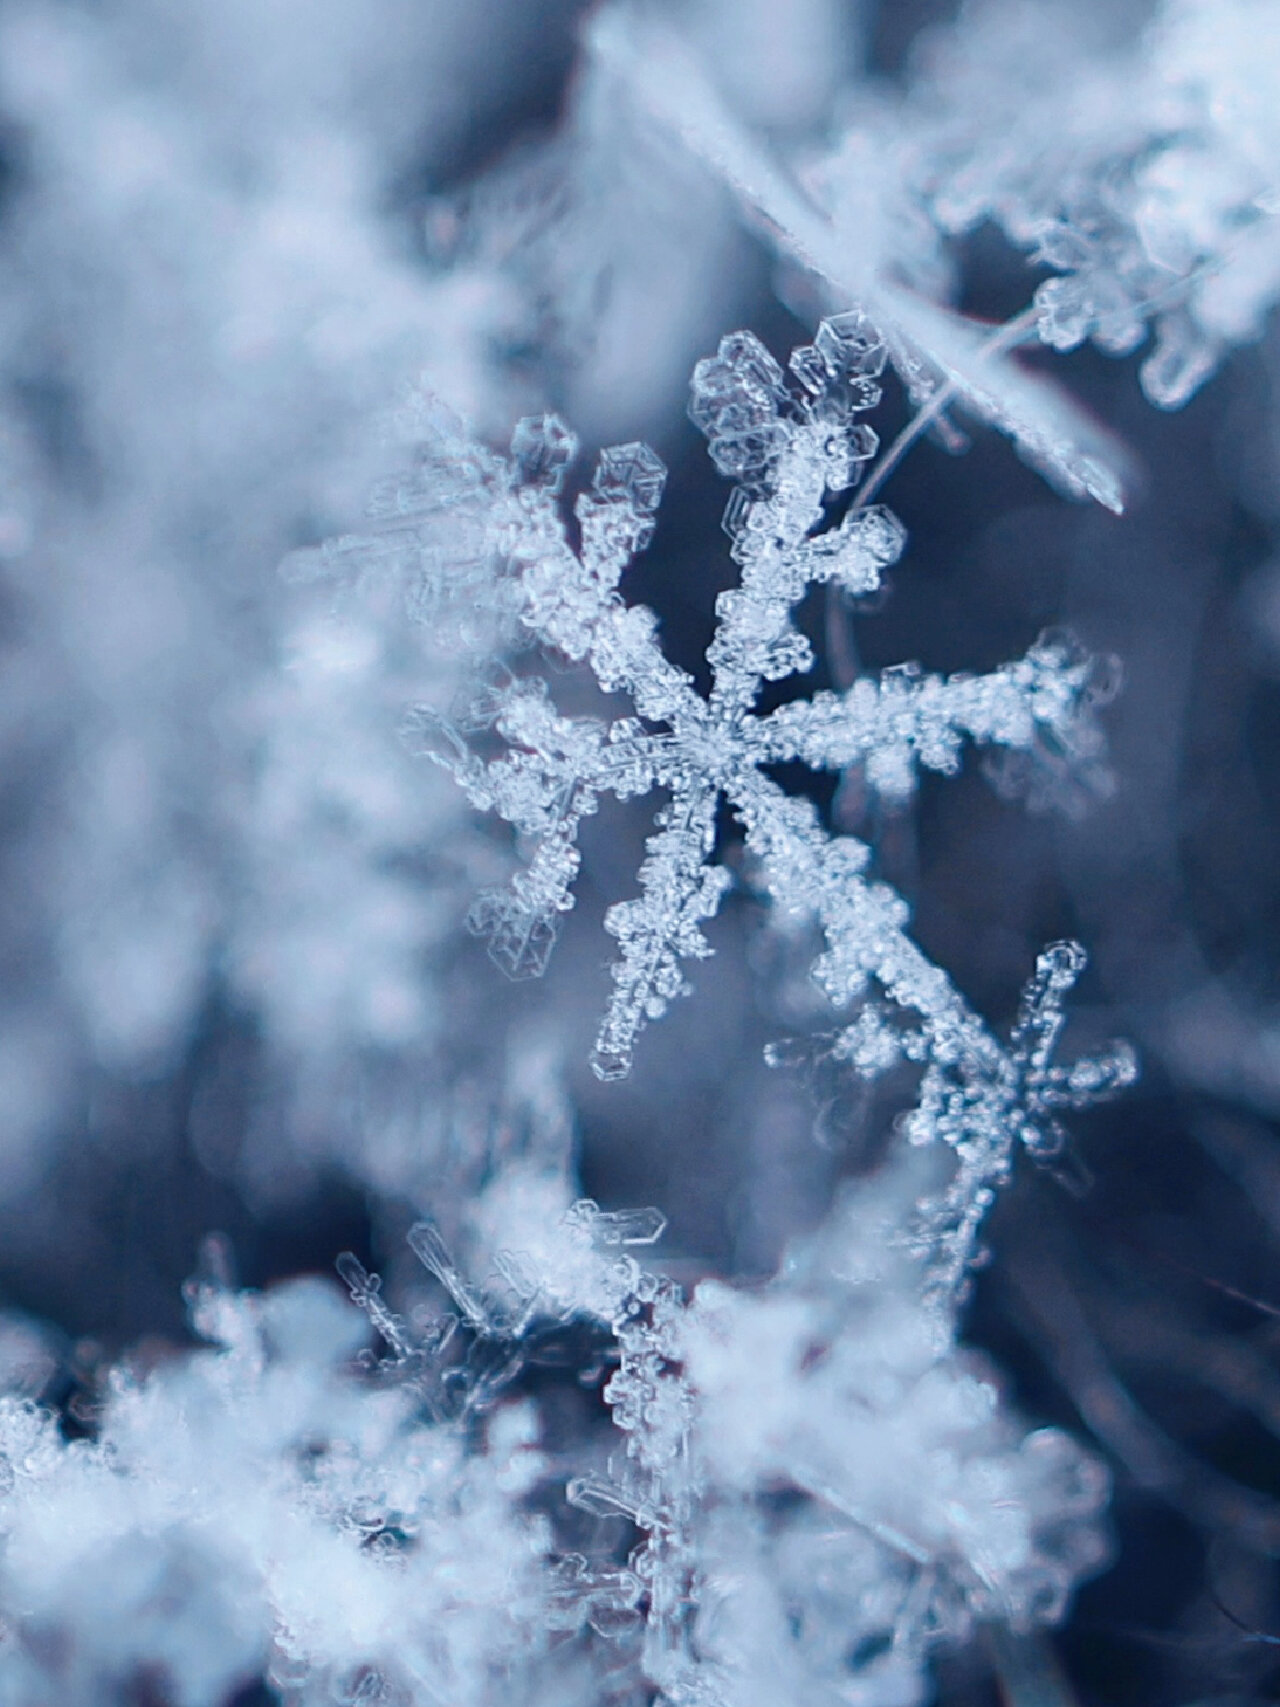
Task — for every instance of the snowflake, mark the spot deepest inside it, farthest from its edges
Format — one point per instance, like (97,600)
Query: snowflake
(981,1098)
(794,447)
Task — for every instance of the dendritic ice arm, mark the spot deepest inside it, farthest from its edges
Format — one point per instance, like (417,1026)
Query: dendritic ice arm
(979,1097)
(428,539)
(908,719)
(658,931)
(794,444)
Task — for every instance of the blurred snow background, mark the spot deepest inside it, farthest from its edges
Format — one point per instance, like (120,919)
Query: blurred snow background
(236,992)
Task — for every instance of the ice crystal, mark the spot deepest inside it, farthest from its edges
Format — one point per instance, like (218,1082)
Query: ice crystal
(793,447)
(868,236)
(816,1474)
(1144,180)
(1143,177)
(920,1556)
(261,1509)
(813,1472)
(982,1099)
(864,1491)
(388,1530)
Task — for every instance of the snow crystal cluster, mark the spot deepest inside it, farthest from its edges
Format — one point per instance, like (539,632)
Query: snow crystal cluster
(823,1485)
(1146,184)
(1141,173)
(812,1490)
(258,1509)
(542,1462)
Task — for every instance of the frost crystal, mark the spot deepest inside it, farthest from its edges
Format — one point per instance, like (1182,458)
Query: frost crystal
(258,1509)
(794,448)
(1142,175)
(1146,182)
(858,222)
(864,1494)
(822,1484)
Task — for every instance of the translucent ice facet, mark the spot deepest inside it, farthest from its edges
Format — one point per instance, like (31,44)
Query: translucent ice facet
(809,368)
(1065,312)
(543,448)
(632,473)
(850,344)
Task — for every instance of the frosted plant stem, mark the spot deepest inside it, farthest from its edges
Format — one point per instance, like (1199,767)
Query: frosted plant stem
(1002,340)
(1006,338)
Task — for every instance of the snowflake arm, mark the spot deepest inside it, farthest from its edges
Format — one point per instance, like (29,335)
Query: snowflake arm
(985,1102)
(660,929)
(907,718)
